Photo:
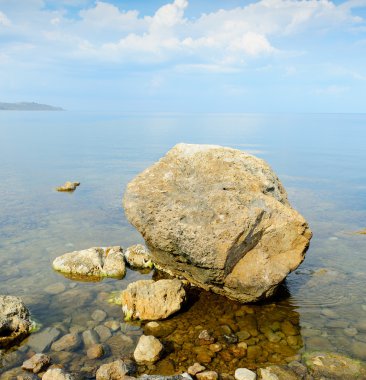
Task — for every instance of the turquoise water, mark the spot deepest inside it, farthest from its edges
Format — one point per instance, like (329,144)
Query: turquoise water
(320,158)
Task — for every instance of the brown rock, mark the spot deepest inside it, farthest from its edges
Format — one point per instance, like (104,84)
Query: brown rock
(68,342)
(36,363)
(207,375)
(68,186)
(95,351)
(150,300)
(148,350)
(195,368)
(220,218)
(112,371)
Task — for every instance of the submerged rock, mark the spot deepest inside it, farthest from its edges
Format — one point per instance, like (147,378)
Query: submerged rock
(68,186)
(150,300)
(15,322)
(138,256)
(220,218)
(331,365)
(92,262)
(37,363)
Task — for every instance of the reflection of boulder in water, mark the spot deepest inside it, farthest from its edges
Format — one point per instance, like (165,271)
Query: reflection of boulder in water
(244,335)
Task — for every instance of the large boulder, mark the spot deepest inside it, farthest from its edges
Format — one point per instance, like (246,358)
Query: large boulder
(220,218)
(150,300)
(93,262)
(15,322)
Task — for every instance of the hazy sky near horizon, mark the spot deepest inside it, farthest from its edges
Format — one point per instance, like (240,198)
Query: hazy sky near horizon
(185,56)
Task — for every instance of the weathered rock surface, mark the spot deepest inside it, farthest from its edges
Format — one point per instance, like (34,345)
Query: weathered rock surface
(36,363)
(57,374)
(15,324)
(112,371)
(150,300)
(244,374)
(93,262)
(148,349)
(68,186)
(138,256)
(220,218)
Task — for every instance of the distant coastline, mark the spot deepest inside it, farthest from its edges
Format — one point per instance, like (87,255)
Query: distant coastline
(28,106)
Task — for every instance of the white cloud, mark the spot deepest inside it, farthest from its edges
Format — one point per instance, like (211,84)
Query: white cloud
(4,20)
(221,40)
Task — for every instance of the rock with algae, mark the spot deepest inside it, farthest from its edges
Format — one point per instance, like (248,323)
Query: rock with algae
(68,186)
(93,262)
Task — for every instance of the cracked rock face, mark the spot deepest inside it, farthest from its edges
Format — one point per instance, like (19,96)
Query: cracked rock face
(15,324)
(220,218)
(93,262)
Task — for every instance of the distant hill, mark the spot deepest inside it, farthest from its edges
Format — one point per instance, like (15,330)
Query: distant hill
(28,106)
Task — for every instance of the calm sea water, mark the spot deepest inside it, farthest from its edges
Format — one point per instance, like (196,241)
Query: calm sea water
(320,158)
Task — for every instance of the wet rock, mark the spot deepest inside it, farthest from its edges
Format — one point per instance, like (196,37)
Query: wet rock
(195,368)
(103,332)
(207,375)
(42,340)
(244,374)
(68,342)
(95,351)
(159,329)
(138,256)
(57,288)
(220,218)
(36,363)
(334,366)
(57,374)
(359,349)
(90,337)
(159,377)
(113,325)
(99,315)
(26,376)
(15,324)
(150,300)
(148,349)
(68,186)
(243,335)
(205,338)
(350,331)
(278,373)
(92,262)
(112,371)
(120,345)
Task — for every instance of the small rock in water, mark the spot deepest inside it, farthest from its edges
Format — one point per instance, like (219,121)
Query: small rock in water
(68,186)
(148,349)
(267,375)
(244,374)
(113,325)
(103,332)
(330,313)
(95,351)
(205,337)
(57,374)
(138,256)
(90,337)
(99,315)
(112,371)
(68,342)
(207,375)
(57,288)
(36,363)
(359,350)
(92,262)
(350,331)
(150,300)
(195,368)
(42,341)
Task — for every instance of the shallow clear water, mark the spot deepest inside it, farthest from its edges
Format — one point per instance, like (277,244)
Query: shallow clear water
(319,158)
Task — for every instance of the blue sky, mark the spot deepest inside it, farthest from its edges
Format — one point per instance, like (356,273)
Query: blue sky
(185,56)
